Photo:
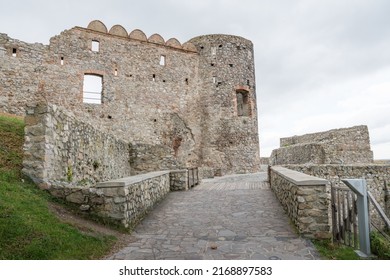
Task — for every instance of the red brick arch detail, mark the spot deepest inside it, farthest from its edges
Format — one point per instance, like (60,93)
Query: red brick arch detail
(242,88)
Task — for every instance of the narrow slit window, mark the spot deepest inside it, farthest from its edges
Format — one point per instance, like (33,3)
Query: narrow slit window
(243,104)
(14,51)
(214,79)
(92,89)
(62,60)
(162,60)
(95,46)
(116,72)
(154,78)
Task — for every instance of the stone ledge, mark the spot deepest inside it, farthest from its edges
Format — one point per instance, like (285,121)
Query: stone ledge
(298,178)
(124,182)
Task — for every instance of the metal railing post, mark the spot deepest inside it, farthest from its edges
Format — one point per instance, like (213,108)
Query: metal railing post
(359,187)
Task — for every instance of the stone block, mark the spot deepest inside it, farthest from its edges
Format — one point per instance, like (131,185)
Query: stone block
(76,197)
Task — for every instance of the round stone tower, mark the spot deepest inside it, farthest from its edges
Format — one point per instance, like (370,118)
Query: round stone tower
(230,142)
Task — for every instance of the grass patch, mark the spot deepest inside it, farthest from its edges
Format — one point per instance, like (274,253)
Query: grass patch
(11,143)
(380,246)
(331,251)
(28,230)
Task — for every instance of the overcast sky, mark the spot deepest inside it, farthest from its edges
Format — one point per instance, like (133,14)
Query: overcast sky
(319,64)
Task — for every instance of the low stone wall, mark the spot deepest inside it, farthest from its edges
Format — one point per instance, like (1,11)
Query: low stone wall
(377,177)
(179,180)
(306,200)
(126,200)
(60,149)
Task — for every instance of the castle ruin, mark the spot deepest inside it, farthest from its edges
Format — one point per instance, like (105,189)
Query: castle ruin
(175,105)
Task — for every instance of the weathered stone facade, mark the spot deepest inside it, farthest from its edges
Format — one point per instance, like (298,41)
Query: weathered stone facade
(337,146)
(177,105)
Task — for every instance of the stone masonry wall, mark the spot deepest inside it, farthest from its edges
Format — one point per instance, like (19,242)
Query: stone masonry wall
(298,153)
(305,199)
(377,178)
(179,180)
(226,67)
(60,149)
(127,200)
(122,202)
(158,95)
(342,146)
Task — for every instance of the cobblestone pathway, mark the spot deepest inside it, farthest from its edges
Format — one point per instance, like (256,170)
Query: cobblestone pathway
(231,217)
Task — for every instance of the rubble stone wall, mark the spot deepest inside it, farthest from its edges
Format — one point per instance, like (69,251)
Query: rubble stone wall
(127,200)
(299,153)
(343,146)
(377,178)
(305,199)
(60,149)
(123,201)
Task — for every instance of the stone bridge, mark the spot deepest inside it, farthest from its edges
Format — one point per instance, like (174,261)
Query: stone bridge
(231,217)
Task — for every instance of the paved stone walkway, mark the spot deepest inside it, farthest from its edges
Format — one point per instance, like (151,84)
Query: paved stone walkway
(231,217)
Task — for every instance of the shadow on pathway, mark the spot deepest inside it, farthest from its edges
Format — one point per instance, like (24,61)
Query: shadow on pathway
(231,217)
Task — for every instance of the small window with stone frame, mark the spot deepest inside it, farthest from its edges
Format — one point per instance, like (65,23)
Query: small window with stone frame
(243,103)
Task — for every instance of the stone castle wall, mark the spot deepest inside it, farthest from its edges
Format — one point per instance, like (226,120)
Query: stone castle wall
(62,150)
(337,146)
(178,101)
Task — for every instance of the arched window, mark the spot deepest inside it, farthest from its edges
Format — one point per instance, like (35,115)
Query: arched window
(92,89)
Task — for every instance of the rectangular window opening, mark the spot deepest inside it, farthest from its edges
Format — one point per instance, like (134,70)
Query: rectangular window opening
(14,51)
(62,60)
(95,46)
(243,104)
(154,78)
(116,72)
(92,89)
(162,60)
